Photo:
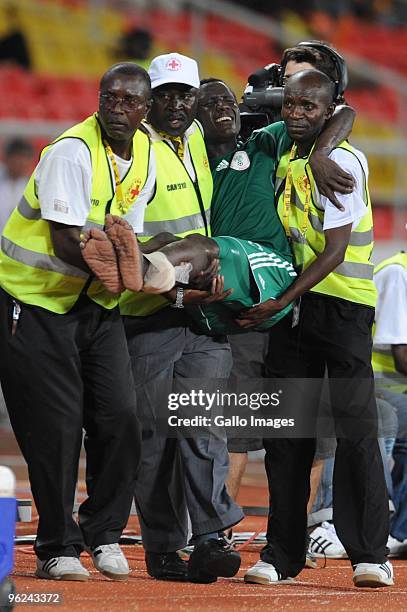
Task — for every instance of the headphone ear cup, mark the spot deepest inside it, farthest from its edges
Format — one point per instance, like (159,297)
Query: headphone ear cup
(280,76)
(343,76)
(339,63)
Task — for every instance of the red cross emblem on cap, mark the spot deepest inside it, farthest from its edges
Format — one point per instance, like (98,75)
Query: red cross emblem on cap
(173,64)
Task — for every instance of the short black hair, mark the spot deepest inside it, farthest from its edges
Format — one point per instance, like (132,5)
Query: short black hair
(18,145)
(320,60)
(128,68)
(212,80)
(215,80)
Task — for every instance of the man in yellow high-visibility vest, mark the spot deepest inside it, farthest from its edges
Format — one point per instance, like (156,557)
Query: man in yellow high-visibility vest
(330,329)
(390,338)
(177,475)
(390,368)
(64,363)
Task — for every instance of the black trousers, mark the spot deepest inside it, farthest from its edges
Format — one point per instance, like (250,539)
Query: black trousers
(332,334)
(60,374)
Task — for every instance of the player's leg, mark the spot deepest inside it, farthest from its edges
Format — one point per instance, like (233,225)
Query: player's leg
(198,250)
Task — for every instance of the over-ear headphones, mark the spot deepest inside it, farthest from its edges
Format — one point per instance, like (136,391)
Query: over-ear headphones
(340,65)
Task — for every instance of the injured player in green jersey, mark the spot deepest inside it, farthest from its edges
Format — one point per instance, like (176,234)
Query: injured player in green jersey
(252,273)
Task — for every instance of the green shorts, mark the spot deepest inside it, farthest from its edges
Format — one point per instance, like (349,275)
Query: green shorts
(256,273)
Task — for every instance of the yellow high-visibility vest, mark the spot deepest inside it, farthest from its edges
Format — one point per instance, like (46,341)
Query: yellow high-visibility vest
(180,207)
(29,269)
(382,357)
(353,279)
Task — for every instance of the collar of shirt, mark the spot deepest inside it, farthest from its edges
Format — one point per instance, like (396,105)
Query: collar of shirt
(177,143)
(186,157)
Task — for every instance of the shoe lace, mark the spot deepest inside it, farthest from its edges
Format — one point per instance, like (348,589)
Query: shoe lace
(225,543)
(310,553)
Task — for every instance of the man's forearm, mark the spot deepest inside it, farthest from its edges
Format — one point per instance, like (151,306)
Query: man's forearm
(336,130)
(66,239)
(317,271)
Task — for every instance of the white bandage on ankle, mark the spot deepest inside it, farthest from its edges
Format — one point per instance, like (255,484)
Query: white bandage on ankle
(160,275)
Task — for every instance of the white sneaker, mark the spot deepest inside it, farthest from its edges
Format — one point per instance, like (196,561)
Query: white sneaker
(325,543)
(265,573)
(396,547)
(61,568)
(110,561)
(373,574)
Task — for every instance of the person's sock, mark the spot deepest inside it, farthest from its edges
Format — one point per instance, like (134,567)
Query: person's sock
(206,536)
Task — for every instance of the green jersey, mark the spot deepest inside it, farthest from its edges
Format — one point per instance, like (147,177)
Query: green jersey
(255,257)
(243,193)
(256,273)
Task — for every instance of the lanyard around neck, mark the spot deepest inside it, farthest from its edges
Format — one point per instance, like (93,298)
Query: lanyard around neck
(118,184)
(287,198)
(178,143)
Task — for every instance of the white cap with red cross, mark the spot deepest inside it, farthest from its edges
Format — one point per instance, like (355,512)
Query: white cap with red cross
(173,68)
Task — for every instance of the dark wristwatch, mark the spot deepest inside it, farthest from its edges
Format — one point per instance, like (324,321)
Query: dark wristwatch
(179,298)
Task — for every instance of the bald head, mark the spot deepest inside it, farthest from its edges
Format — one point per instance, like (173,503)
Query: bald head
(307,105)
(313,82)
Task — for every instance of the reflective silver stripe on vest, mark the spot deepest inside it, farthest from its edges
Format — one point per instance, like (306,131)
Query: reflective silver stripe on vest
(92,224)
(383,350)
(27,211)
(296,236)
(355,270)
(34,214)
(383,374)
(314,220)
(361,238)
(176,226)
(39,260)
(347,268)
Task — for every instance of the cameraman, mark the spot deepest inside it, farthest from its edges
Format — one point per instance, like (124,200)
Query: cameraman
(305,56)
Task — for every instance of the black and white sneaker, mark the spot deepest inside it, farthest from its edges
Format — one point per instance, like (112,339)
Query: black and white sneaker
(325,543)
(373,574)
(110,561)
(265,573)
(61,568)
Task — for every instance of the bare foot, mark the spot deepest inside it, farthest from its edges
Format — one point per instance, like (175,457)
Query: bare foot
(127,250)
(99,254)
